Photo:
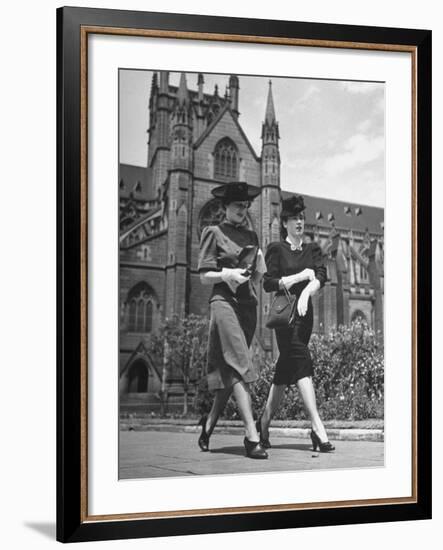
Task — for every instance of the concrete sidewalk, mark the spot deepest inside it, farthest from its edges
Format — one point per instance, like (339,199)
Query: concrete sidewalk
(156,454)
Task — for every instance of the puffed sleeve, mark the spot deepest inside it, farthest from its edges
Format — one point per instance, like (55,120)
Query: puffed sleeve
(261,264)
(207,259)
(272,276)
(319,264)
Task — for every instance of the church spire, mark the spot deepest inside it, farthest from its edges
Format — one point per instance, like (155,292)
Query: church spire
(270,133)
(182,94)
(270,111)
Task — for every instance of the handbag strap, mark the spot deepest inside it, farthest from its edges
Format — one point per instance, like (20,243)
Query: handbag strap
(288,296)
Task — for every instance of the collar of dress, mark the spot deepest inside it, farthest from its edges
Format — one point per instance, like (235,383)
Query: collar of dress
(293,247)
(236,225)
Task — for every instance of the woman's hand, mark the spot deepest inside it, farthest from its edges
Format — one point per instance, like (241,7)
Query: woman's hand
(233,277)
(302,304)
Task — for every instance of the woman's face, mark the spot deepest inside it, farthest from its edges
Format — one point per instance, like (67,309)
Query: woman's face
(295,226)
(236,211)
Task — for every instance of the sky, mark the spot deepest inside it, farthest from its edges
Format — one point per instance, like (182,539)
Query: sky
(332,137)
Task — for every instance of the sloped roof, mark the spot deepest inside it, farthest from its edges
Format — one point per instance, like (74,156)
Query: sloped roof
(357,217)
(133,178)
(153,212)
(140,352)
(210,128)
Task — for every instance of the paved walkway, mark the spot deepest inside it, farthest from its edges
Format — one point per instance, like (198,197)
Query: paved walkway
(153,454)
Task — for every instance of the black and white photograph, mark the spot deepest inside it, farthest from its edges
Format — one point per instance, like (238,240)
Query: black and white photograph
(219,322)
(251,274)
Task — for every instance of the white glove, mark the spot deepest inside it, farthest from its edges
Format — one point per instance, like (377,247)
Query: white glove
(233,277)
(302,304)
(307,274)
(289,281)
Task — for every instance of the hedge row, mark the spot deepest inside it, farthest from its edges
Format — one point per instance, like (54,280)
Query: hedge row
(348,379)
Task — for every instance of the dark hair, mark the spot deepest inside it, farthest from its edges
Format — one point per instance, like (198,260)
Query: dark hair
(283,230)
(285,218)
(226,202)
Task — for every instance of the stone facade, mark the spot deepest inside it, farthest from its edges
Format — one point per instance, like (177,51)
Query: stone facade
(195,144)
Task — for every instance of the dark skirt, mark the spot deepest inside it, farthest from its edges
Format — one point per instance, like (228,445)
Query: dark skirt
(231,330)
(294,360)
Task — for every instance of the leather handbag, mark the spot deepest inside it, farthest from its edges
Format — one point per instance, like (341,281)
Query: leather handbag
(283,310)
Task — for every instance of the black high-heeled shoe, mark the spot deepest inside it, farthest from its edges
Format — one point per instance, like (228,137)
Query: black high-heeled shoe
(264,441)
(326,447)
(254,449)
(203,440)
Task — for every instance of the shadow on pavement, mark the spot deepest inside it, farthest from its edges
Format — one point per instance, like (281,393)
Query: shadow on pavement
(293,447)
(240,451)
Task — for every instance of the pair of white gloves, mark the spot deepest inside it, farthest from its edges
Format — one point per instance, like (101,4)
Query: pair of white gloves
(235,277)
(290,280)
(306,275)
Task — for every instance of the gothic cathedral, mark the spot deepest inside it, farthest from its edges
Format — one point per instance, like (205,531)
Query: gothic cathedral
(196,143)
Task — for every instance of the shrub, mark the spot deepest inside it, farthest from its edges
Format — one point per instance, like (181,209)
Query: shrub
(348,379)
(180,345)
(349,373)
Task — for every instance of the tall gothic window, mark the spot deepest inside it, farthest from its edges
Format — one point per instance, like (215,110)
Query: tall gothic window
(226,160)
(140,308)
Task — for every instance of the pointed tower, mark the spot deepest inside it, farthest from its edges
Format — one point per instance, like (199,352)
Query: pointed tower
(215,104)
(199,123)
(376,277)
(158,148)
(234,89)
(181,129)
(270,195)
(270,173)
(180,189)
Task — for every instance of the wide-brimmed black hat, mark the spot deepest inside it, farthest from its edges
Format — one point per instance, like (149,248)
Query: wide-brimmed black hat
(292,206)
(236,191)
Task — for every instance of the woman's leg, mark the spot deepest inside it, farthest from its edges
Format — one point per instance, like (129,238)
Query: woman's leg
(218,405)
(274,398)
(243,398)
(306,389)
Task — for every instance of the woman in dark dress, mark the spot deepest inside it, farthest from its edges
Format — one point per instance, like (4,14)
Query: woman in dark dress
(230,259)
(298,267)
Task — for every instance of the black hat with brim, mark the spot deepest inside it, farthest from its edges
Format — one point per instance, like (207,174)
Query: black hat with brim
(292,206)
(236,191)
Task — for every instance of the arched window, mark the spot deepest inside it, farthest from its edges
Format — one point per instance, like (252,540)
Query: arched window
(226,160)
(148,316)
(138,378)
(363,273)
(141,308)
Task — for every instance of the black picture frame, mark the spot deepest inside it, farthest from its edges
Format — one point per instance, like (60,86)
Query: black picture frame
(73,523)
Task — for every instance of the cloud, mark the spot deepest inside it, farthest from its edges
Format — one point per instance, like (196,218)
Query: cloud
(311,91)
(359,150)
(361,87)
(364,125)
